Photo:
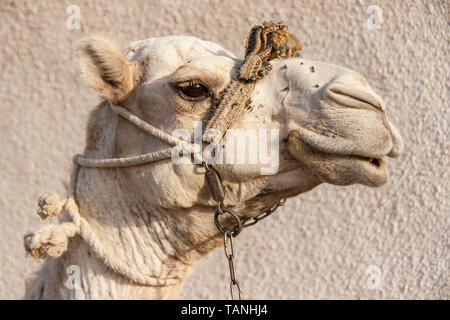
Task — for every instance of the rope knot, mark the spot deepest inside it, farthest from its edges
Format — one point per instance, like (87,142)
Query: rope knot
(75,159)
(50,206)
(49,242)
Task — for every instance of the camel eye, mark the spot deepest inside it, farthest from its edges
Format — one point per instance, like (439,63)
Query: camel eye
(193,90)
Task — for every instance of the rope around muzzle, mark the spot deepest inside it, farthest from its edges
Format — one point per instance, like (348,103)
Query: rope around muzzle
(264,43)
(179,146)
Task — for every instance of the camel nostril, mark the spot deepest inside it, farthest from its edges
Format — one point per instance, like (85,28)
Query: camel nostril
(353,96)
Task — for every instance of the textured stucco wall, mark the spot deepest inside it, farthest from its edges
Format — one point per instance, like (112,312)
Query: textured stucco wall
(321,244)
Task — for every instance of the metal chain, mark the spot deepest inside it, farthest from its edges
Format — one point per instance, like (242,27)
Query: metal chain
(229,253)
(265,214)
(217,189)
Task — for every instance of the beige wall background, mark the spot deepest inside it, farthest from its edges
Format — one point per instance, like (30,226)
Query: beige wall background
(326,244)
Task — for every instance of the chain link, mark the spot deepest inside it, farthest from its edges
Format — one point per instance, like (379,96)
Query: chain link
(264,215)
(222,211)
(229,253)
(218,191)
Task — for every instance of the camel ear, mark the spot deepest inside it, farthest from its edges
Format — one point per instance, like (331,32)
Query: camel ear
(105,68)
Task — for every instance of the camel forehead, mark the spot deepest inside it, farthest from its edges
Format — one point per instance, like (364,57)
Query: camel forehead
(166,54)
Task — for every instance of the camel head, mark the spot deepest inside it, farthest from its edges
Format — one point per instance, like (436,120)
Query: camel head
(151,222)
(330,125)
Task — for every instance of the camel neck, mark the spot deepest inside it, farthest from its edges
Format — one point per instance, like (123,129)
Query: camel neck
(149,240)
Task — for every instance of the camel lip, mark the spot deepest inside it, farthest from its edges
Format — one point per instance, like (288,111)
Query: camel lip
(377,162)
(371,171)
(374,163)
(375,170)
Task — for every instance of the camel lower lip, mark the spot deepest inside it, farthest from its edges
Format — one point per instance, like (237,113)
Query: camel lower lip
(375,169)
(377,162)
(341,169)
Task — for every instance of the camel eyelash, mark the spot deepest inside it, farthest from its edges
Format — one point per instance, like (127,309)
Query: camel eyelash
(187,83)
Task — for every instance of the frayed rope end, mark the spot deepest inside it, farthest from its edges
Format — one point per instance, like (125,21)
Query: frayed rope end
(50,206)
(49,242)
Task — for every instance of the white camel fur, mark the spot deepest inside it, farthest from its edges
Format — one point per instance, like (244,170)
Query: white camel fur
(157,219)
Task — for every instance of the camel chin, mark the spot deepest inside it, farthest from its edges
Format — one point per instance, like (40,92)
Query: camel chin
(338,169)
